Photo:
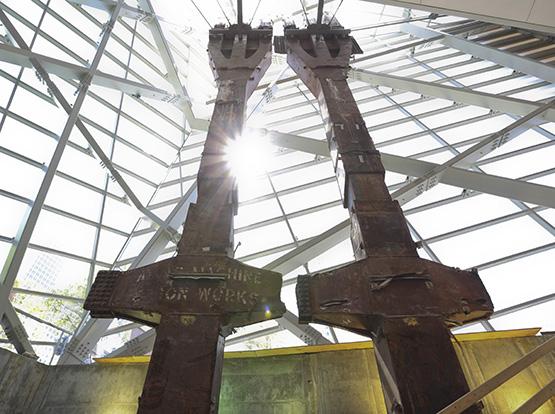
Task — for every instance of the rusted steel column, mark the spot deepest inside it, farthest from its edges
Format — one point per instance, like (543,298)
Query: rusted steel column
(195,298)
(184,343)
(405,303)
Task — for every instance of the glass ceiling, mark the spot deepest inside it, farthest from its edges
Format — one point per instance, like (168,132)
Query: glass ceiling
(424,99)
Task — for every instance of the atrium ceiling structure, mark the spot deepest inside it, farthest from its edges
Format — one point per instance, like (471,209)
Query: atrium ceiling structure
(104,111)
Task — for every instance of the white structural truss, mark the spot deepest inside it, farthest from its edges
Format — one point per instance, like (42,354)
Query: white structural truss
(104,106)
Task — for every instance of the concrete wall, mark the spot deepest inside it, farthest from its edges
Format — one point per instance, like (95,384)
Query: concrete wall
(20,379)
(338,382)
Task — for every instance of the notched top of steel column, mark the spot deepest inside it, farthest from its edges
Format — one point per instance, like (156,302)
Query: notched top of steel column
(240,51)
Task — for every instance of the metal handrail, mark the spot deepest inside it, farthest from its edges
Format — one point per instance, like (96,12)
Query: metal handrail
(537,400)
(497,380)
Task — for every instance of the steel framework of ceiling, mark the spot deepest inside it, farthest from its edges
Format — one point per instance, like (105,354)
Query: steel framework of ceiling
(432,50)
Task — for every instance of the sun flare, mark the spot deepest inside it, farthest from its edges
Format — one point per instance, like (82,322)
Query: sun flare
(249,156)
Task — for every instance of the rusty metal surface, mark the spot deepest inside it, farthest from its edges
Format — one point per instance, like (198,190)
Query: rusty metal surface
(387,287)
(239,57)
(418,366)
(187,284)
(185,366)
(403,302)
(197,297)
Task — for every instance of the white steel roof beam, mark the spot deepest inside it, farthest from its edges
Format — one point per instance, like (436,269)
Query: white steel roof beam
(15,332)
(466,96)
(66,70)
(17,251)
(469,156)
(139,345)
(239,337)
(165,53)
(484,183)
(523,305)
(108,6)
(509,60)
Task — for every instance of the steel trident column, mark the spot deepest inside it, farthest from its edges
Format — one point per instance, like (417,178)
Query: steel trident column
(405,303)
(195,298)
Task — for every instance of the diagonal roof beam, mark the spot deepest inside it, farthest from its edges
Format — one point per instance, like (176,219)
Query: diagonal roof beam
(311,249)
(484,183)
(66,70)
(165,53)
(469,156)
(509,60)
(79,348)
(466,96)
(242,337)
(140,345)
(123,328)
(108,6)
(15,332)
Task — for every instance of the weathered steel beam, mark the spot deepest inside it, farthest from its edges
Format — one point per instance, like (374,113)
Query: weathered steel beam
(196,298)
(403,302)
